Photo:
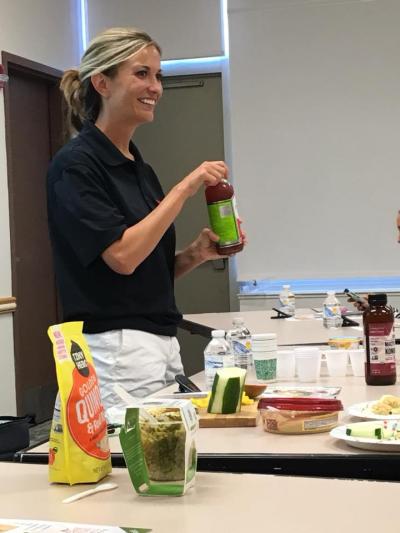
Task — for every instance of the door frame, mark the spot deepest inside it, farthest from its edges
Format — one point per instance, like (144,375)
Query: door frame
(14,63)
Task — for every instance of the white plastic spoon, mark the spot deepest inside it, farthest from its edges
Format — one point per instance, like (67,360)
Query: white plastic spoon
(128,399)
(99,488)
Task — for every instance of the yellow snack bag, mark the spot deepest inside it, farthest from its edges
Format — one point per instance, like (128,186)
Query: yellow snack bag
(78,447)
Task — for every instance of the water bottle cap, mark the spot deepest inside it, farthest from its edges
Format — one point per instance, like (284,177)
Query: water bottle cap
(286,286)
(218,333)
(238,320)
(330,292)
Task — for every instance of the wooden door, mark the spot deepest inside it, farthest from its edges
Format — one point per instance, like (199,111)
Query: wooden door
(33,135)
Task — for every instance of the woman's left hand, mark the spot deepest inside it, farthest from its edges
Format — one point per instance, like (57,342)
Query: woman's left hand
(205,245)
(199,251)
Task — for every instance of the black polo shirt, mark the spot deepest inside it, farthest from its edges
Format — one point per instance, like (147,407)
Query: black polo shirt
(94,194)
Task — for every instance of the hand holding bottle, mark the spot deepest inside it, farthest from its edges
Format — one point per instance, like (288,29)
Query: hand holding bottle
(209,173)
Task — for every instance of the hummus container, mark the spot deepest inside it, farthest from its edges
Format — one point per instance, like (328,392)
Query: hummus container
(298,416)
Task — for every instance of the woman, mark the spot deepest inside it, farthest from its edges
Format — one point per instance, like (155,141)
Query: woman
(110,224)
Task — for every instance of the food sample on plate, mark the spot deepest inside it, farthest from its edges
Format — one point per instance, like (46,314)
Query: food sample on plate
(385,430)
(299,415)
(386,405)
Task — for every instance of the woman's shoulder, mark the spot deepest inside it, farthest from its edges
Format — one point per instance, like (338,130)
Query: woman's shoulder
(74,153)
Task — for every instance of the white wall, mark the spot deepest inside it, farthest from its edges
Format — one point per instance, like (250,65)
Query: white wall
(44,31)
(183,28)
(315,112)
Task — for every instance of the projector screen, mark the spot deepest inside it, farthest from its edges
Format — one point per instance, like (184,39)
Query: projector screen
(315,126)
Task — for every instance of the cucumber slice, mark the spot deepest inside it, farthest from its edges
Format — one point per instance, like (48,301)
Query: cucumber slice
(366,431)
(227,389)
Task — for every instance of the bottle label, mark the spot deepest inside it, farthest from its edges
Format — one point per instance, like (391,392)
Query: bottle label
(382,349)
(331,310)
(241,347)
(265,369)
(223,222)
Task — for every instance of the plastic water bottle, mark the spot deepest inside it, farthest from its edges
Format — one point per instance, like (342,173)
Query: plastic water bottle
(217,354)
(287,301)
(332,316)
(239,338)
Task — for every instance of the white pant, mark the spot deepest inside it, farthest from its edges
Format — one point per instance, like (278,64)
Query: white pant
(141,362)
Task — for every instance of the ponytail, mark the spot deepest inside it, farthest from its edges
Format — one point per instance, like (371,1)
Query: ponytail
(71,87)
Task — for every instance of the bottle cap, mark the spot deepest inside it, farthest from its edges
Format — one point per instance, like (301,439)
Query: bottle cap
(286,286)
(238,320)
(377,299)
(330,292)
(218,333)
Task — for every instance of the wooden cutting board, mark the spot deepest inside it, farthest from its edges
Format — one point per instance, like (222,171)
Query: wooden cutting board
(246,418)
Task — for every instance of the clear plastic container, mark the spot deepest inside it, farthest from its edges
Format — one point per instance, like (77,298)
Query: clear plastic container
(158,443)
(344,343)
(299,415)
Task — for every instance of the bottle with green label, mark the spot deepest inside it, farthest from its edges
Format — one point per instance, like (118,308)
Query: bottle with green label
(223,217)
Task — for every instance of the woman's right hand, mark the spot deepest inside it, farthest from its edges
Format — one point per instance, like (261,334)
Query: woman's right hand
(360,306)
(208,173)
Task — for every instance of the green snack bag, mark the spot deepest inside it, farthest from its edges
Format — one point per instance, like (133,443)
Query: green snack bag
(158,444)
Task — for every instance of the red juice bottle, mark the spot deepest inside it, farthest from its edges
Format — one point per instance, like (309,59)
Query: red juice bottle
(223,217)
(379,342)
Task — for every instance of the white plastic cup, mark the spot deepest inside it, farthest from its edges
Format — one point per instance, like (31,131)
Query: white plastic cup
(265,366)
(357,359)
(286,364)
(306,350)
(272,348)
(264,342)
(337,362)
(308,365)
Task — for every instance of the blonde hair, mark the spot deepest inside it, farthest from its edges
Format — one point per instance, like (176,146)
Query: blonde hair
(104,54)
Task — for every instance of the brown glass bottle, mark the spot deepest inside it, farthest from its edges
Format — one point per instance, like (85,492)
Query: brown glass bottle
(223,217)
(379,342)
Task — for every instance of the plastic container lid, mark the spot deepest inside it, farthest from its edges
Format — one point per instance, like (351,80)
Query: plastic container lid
(264,337)
(217,333)
(301,404)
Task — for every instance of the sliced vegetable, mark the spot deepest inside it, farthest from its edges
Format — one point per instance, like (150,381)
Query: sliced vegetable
(366,431)
(375,430)
(227,391)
